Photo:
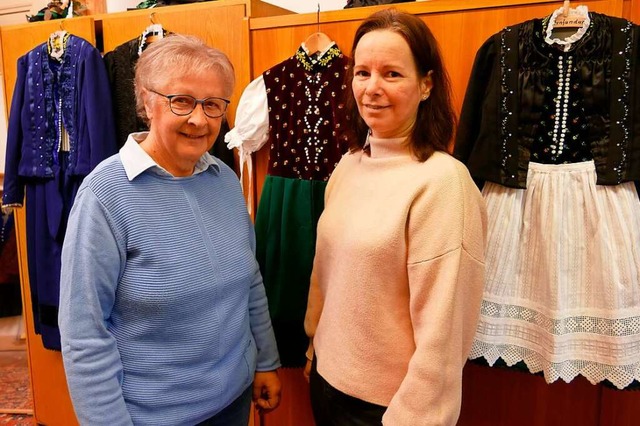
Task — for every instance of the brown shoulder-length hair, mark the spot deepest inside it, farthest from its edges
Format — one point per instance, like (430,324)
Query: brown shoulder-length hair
(436,120)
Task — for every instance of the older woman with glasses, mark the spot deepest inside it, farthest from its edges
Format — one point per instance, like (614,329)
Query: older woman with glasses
(163,313)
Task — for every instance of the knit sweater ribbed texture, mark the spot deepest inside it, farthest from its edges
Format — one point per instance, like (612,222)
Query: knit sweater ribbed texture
(164,316)
(397,281)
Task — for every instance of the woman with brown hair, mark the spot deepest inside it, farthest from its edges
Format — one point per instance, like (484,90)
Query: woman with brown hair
(398,272)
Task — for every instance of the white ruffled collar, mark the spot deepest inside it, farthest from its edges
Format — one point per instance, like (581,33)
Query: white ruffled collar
(568,41)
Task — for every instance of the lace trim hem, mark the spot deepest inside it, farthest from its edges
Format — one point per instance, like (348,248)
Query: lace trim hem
(620,376)
(628,325)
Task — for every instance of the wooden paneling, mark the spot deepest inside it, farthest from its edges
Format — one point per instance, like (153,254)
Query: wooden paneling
(620,408)
(3,90)
(123,26)
(258,9)
(504,397)
(52,405)
(632,10)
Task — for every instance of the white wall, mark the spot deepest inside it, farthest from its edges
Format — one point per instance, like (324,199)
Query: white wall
(308,6)
(13,12)
(121,5)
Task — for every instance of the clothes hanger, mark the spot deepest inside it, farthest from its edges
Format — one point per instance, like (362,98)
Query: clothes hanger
(58,42)
(152,33)
(318,41)
(569,18)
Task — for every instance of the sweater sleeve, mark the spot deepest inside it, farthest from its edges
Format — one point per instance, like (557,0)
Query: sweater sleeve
(92,260)
(96,130)
(445,294)
(476,106)
(268,358)
(13,184)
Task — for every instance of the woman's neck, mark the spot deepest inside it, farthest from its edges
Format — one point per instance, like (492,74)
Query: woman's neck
(388,147)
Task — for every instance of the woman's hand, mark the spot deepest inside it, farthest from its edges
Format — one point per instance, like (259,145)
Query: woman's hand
(266,390)
(307,370)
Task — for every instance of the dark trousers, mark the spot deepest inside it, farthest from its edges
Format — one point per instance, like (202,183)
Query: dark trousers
(334,408)
(234,414)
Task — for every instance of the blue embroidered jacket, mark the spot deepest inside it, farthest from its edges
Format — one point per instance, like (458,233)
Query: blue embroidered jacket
(49,95)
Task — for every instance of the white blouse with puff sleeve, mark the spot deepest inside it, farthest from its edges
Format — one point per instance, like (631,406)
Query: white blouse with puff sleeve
(251,130)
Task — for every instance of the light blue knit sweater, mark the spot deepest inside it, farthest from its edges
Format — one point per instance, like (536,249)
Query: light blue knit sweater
(163,313)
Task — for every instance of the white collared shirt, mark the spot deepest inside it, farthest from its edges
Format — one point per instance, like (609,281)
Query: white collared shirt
(136,160)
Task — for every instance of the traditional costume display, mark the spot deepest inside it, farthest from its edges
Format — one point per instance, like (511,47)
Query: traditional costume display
(60,128)
(296,109)
(550,128)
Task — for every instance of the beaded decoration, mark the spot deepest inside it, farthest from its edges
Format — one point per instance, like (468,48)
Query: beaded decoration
(562,106)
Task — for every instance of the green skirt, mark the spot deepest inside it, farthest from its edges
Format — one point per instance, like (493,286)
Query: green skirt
(286,237)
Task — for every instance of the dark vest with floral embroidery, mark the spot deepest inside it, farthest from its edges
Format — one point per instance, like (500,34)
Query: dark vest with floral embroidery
(520,84)
(306,115)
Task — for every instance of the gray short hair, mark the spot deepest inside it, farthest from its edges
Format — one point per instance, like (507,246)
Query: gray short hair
(176,55)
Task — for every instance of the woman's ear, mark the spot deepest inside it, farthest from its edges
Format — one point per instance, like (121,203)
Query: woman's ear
(426,84)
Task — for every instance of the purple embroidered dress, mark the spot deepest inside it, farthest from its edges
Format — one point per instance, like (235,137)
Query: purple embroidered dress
(60,128)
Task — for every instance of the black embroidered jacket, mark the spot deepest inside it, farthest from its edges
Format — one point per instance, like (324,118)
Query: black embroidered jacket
(528,100)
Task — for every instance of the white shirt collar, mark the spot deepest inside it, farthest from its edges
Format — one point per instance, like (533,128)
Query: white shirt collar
(136,160)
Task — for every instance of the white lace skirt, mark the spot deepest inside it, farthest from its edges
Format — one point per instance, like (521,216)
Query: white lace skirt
(563,276)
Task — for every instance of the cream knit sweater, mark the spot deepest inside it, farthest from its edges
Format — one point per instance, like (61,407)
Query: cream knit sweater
(397,281)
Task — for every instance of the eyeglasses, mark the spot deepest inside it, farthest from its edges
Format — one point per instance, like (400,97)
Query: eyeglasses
(185,104)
